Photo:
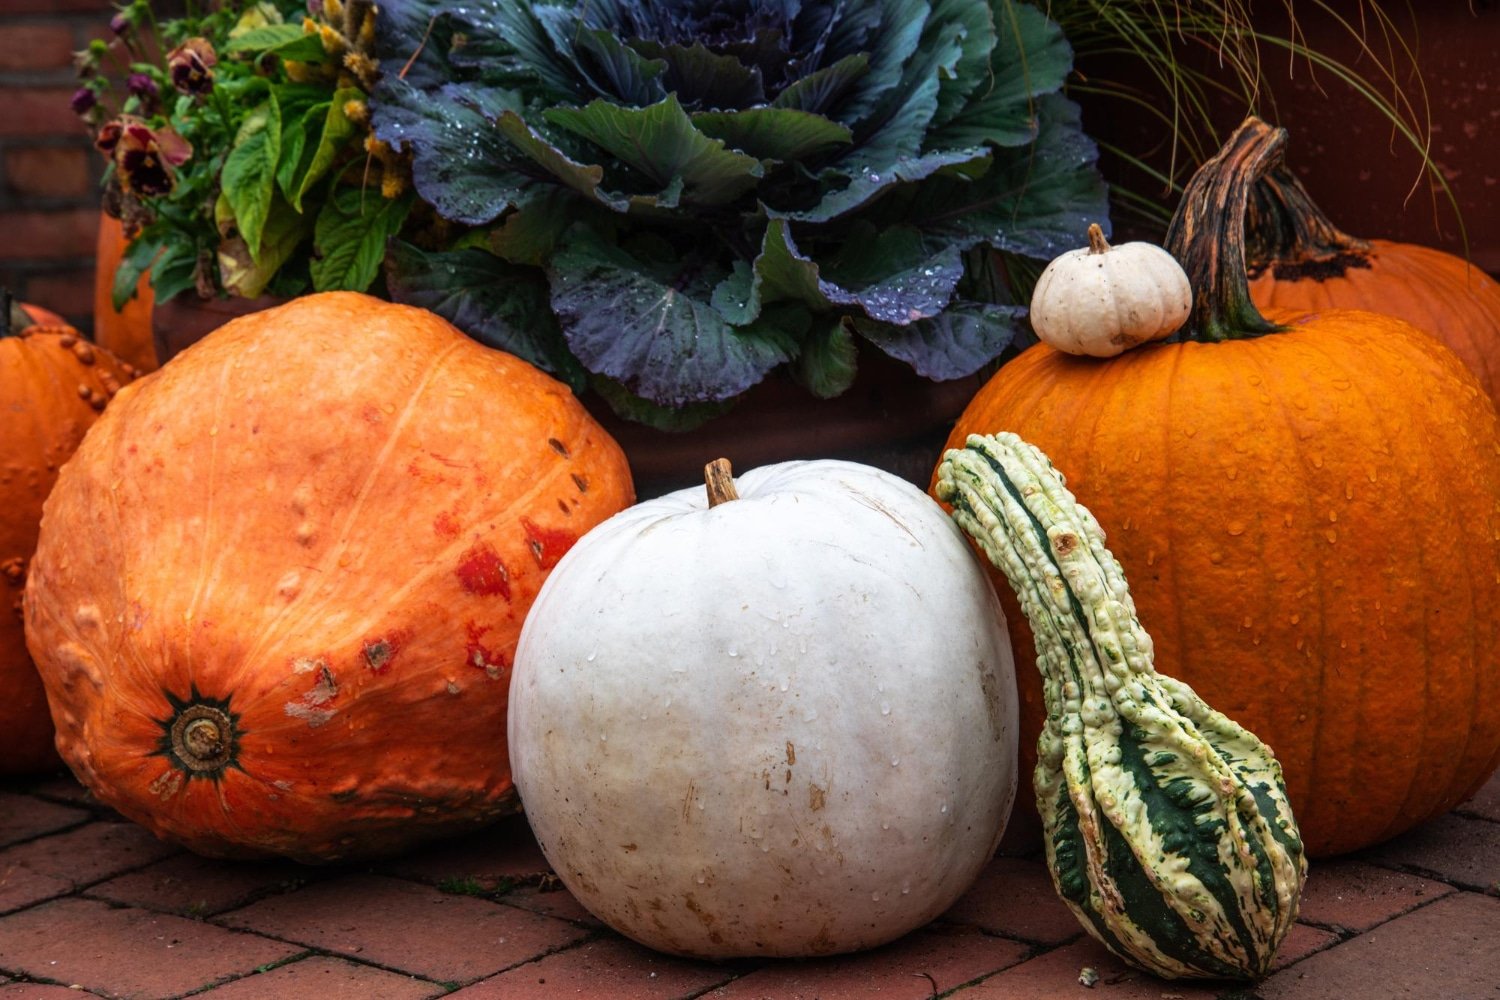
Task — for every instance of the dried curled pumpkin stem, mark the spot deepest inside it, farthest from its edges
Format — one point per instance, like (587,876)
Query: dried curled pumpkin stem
(1285,226)
(1207,235)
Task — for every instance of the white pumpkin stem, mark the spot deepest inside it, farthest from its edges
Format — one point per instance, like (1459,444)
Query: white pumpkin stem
(1097,242)
(718,478)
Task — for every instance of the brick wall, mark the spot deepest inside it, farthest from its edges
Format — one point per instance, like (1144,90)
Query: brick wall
(49,172)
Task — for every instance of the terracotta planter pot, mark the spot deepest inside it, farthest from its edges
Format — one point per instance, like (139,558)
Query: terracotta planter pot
(182,321)
(891,418)
(126,332)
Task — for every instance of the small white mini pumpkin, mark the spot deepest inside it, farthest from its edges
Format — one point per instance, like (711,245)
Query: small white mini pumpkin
(1103,300)
(784,724)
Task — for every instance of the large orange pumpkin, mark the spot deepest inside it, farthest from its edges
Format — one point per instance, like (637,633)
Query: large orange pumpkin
(278,589)
(1298,259)
(126,331)
(1310,519)
(52,386)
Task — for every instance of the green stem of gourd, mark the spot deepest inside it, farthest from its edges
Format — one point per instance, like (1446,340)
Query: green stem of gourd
(1287,230)
(1207,235)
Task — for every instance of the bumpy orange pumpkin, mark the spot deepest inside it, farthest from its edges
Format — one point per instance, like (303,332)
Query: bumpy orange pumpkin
(278,589)
(1310,516)
(1298,259)
(53,384)
(127,331)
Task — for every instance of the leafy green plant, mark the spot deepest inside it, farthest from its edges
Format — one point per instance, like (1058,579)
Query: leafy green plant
(239,157)
(667,200)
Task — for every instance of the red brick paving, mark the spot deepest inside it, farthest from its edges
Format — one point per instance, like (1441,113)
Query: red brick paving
(1055,975)
(1015,898)
(502,855)
(23,817)
(1447,950)
(408,926)
(1456,849)
(1408,918)
(916,967)
(328,978)
(125,951)
(609,967)
(191,886)
(1351,895)
(1485,804)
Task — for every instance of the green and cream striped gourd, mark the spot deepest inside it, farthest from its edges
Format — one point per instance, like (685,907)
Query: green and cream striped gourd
(1166,824)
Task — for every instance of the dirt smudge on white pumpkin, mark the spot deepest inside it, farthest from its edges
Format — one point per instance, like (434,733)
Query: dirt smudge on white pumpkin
(817,798)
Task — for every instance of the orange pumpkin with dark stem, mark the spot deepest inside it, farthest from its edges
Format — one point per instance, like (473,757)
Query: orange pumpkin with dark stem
(1309,515)
(278,589)
(53,384)
(127,331)
(1298,259)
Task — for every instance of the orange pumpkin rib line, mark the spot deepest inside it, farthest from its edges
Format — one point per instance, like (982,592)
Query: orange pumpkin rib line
(1168,559)
(444,558)
(1270,376)
(1478,703)
(206,534)
(1361,751)
(340,545)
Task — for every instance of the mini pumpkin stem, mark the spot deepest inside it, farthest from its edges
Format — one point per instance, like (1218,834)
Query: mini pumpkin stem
(1097,242)
(1207,234)
(718,478)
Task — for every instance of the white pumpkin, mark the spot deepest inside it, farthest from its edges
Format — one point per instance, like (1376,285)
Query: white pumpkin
(1103,300)
(781,725)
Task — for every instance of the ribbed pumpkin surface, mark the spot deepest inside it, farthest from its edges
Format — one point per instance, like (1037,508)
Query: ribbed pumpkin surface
(1311,524)
(52,386)
(278,590)
(1436,292)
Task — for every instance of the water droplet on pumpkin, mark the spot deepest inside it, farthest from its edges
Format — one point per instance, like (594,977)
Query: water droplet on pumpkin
(895,761)
(885,708)
(874,897)
(1236,527)
(592,654)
